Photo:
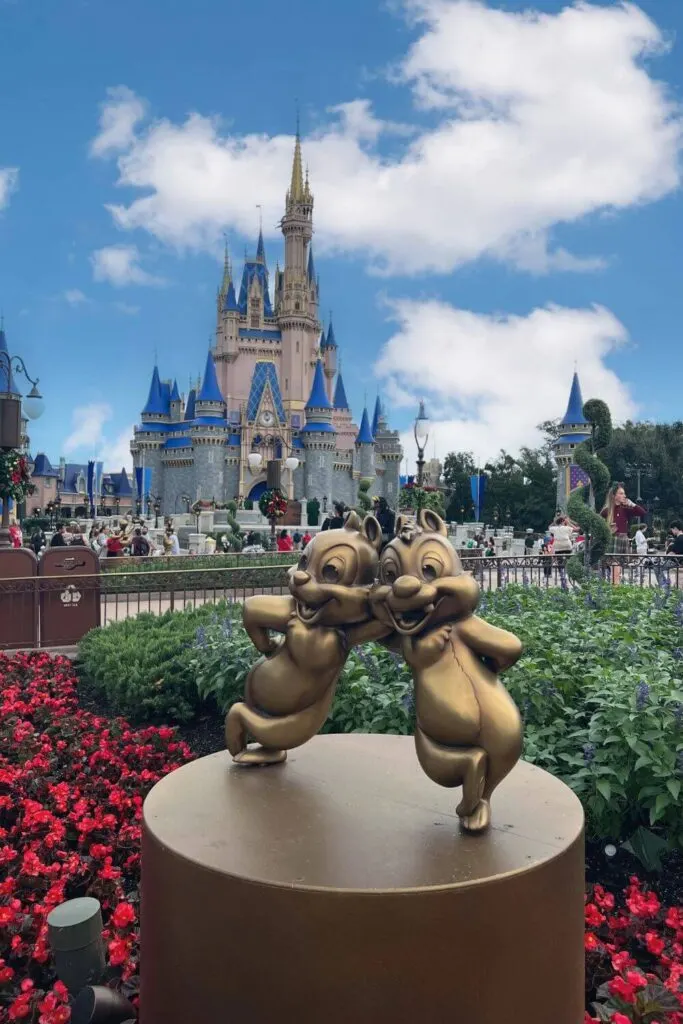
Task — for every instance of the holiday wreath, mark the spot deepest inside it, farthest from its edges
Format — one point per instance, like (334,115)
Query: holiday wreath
(273,504)
(15,479)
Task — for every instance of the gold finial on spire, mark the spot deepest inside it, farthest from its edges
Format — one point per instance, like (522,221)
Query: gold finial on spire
(296,187)
(227,273)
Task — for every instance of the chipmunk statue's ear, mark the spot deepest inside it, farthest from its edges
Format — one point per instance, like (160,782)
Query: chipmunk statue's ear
(431,522)
(399,524)
(372,531)
(353,522)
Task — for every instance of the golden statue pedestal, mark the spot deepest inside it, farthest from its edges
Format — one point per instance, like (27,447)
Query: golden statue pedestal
(338,887)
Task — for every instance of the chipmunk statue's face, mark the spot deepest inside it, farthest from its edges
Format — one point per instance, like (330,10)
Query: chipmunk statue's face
(418,570)
(336,570)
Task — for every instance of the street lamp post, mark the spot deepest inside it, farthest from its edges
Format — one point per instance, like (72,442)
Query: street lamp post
(421,432)
(640,469)
(10,421)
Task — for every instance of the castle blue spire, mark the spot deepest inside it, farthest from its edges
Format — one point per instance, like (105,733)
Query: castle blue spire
(260,248)
(155,400)
(230,300)
(574,413)
(365,434)
(189,408)
(340,400)
(210,391)
(311,265)
(9,387)
(318,398)
(377,416)
(330,340)
(175,394)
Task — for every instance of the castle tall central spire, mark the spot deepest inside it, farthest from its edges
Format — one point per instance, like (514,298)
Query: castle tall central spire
(296,186)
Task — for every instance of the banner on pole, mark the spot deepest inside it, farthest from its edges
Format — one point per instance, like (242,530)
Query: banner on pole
(478,490)
(143,481)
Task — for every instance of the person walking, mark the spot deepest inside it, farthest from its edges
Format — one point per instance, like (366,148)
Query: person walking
(284,542)
(139,546)
(640,540)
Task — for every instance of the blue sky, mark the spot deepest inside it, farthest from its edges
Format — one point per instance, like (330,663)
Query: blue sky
(497,198)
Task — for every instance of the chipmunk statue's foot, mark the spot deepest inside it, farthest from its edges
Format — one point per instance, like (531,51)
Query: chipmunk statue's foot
(480,818)
(259,756)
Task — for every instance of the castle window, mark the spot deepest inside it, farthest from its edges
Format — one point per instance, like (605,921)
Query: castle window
(321,461)
(286,383)
(211,455)
(297,305)
(297,346)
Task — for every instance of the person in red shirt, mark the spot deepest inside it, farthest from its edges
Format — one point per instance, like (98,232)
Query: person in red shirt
(305,540)
(619,511)
(114,546)
(285,542)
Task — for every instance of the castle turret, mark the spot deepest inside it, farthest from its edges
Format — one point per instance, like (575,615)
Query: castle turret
(319,439)
(227,315)
(176,404)
(151,435)
(365,447)
(574,429)
(209,433)
(328,350)
(296,313)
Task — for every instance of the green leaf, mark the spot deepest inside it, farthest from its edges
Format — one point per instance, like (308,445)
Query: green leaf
(604,789)
(674,787)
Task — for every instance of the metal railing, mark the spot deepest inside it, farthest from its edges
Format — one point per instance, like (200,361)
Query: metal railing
(66,607)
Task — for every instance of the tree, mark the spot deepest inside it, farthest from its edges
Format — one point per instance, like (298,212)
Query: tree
(458,467)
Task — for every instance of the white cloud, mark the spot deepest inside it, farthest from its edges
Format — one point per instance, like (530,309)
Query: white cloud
(489,379)
(127,308)
(535,120)
(89,438)
(75,297)
(9,178)
(120,266)
(119,115)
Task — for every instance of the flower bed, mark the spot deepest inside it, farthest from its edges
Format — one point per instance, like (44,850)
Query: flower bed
(71,791)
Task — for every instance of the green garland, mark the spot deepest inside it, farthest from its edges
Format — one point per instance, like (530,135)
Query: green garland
(15,478)
(594,528)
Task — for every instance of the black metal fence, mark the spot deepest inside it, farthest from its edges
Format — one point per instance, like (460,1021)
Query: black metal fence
(71,605)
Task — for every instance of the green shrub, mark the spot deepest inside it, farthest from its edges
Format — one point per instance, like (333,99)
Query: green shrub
(142,667)
(248,504)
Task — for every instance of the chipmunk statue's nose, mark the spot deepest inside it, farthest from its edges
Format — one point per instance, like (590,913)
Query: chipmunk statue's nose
(406,586)
(300,578)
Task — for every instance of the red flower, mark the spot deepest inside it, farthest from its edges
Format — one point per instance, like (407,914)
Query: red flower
(654,943)
(620,1018)
(619,987)
(123,915)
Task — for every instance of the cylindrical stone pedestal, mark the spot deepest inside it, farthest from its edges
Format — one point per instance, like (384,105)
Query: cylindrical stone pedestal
(339,887)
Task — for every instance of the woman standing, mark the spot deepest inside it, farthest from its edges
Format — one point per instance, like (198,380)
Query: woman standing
(619,511)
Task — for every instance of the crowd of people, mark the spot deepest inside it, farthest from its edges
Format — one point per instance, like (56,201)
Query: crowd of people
(127,539)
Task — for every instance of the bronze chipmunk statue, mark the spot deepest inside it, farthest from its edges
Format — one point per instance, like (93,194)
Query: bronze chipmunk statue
(289,692)
(468,731)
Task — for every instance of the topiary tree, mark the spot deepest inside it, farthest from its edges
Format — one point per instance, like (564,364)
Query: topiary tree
(413,499)
(364,501)
(594,528)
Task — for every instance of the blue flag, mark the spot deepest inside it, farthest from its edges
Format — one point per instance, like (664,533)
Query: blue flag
(478,490)
(143,481)
(91,487)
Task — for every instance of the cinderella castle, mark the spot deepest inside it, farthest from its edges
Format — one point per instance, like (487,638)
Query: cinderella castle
(272,385)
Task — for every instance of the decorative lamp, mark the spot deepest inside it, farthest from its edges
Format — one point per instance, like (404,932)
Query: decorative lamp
(292,463)
(254,459)
(34,404)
